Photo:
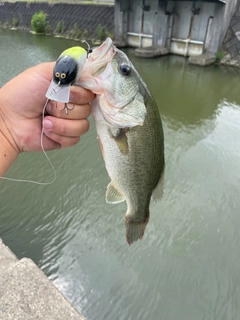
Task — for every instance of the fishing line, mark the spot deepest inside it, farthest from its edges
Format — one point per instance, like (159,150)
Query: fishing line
(45,154)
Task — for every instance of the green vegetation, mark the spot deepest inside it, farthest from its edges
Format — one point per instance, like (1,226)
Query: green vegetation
(39,22)
(4,24)
(220,55)
(15,22)
(85,34)
(76,33)
(101,32)
(109,34)
(60,27)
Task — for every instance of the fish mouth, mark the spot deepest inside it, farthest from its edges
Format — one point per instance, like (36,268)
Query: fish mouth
(100,57)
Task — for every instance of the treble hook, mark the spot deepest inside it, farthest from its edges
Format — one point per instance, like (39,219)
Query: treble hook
(65,107)
(89,50)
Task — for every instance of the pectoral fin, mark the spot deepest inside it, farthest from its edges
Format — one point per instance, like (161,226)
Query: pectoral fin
(113,196)
(119,136)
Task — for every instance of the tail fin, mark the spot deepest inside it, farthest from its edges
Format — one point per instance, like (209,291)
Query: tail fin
(135,230)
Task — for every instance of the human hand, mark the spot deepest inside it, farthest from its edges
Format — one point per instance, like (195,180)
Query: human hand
(21,105)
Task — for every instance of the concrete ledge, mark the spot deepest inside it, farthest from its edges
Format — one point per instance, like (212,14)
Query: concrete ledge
(26,293)
(203,59)
(7,258)
(151,52)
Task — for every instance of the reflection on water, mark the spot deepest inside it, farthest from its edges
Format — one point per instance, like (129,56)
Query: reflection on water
(187,265)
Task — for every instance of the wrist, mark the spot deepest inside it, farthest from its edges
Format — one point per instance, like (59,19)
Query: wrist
(8,152)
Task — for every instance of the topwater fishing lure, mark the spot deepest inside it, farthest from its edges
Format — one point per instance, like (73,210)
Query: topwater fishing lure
(66,71)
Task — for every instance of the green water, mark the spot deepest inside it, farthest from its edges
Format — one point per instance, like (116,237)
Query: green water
(187,265)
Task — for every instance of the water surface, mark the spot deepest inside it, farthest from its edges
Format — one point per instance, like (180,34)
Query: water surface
(187,265)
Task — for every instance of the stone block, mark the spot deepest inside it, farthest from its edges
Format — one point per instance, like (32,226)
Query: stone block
(231,42)
(237,45)
(236,26)
(203,59)
(230,34)
(233,51)
(237,34)
(151,52)
(235,20)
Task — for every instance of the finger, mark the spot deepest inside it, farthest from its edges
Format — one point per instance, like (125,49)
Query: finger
(49,144)
(62,141)
(74,112)
(65,127)
(80,95)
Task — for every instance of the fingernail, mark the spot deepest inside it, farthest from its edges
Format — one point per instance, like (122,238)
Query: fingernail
(49,108)
(46,132)
(47,124)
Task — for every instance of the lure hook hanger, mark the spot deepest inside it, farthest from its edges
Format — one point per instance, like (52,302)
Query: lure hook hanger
(89,50)
(65,107)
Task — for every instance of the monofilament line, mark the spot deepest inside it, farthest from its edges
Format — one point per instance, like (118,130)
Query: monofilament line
(44,152)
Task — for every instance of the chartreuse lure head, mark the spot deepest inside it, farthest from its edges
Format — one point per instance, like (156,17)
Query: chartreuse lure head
(66,71)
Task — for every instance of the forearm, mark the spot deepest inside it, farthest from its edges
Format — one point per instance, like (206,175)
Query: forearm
(8,153)
(7,157)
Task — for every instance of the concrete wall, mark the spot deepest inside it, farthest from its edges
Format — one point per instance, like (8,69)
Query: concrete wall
(219,26)
(231,43)
(85,16)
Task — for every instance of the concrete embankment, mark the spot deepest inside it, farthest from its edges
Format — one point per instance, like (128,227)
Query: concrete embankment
(71,16)
(26,293)
(231,45)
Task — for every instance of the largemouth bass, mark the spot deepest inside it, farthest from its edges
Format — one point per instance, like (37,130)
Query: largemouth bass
(130,133)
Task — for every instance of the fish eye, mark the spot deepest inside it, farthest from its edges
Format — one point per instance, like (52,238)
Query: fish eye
(125,69)
(57,74)
(63,75)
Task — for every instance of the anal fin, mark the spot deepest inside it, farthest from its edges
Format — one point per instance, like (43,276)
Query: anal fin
(113,195)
